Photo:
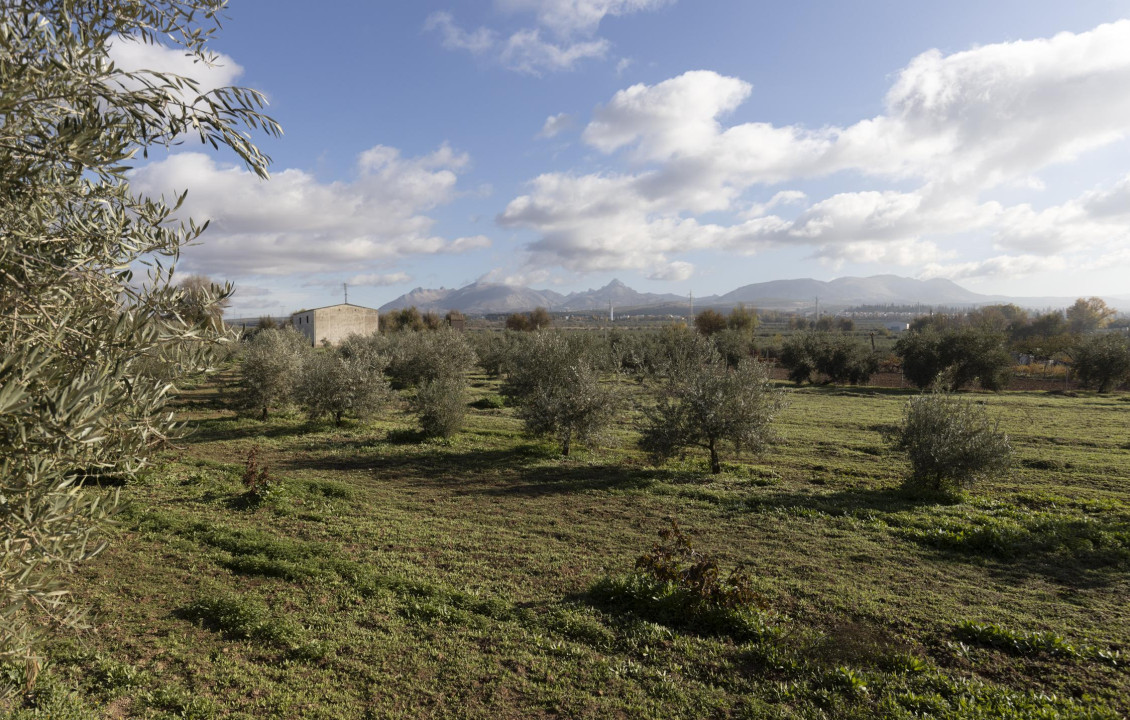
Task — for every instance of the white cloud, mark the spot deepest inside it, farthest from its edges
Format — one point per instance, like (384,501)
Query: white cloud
(784,197)
(557,124)
(676,271)
(987,116)
(133,56)
(296,224)
(1007,266)
(1095,219)
(572,25)
(379,280)
(526,52)
(467,244)
(567,18)
(456,38)
(960,125)
(528,277)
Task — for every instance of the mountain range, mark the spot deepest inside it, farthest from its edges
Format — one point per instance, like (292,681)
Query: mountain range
(482,298)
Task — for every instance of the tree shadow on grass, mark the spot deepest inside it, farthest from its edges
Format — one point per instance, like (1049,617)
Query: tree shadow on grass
(1068,550)
(220,430)
(528,469)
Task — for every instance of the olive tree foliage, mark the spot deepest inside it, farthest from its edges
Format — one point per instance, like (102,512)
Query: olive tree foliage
(436,365)
(440,406)
(950,442)
(74,323)
(272,364)
(493,351)
(955,357)
(555,381)
(1102,361)
(417,358)
(708,405)
(339,381)
(837,357)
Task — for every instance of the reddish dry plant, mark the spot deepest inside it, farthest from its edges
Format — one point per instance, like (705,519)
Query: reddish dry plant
(257,478)
(674,560)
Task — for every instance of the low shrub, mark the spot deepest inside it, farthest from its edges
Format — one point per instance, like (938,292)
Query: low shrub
(950,443)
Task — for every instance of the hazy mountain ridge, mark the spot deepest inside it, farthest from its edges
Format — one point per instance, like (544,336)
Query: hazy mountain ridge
(484,298)
(476,299)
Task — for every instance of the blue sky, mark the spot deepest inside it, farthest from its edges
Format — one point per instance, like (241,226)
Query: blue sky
(694,146)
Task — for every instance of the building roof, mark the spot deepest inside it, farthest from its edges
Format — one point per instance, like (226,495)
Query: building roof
(327,307)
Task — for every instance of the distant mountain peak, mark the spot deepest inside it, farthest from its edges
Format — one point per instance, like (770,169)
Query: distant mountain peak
(482,297)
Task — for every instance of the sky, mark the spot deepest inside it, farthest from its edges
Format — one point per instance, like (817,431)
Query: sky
(675,145)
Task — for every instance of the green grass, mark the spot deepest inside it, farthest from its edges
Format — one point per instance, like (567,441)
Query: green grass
(487,577)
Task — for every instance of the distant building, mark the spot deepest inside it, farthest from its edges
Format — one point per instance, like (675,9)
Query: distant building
(334,323)
(898,326)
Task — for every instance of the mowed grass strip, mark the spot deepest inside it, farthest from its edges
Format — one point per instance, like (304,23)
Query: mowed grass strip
(392,577)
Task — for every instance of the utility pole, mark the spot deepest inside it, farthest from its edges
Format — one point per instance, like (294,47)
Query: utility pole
(345,287)
(611,312)
(692,305)
(817,308)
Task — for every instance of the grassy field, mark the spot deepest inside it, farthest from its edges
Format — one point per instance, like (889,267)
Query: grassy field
(390,577)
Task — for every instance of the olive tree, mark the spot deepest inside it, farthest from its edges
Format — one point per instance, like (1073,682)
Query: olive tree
(950,443)
(272,364)
(708,405)
(1102,361)
(955,357)
(555,382)
(838,357)
(74,322)
(334,383)
(441,406)
(416,358)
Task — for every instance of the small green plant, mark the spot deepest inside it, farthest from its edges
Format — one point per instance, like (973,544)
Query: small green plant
(1020,642)
(674,562)
(257,478)
(242,617)
(950,443)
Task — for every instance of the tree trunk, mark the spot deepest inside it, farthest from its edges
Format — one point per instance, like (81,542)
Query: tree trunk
(565,443)
(263,417)
(715,464)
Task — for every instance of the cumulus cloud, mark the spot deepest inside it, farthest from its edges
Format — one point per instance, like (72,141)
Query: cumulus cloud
(1009,266)
(294,223)
(568,18)
(380,280)
(1096,218)
(526,51)
(675,271)
(557,124)
(133,56)
(959,125)
(571,26)
(456,38)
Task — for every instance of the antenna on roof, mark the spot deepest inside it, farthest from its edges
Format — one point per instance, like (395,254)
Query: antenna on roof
(345,287)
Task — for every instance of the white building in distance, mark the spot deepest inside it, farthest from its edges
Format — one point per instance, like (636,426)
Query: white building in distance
(334,323)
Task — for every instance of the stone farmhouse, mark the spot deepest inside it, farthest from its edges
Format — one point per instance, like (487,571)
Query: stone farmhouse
(334,323)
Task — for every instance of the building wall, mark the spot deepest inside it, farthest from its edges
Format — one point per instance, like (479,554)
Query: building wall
(304,323)
(337,322)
